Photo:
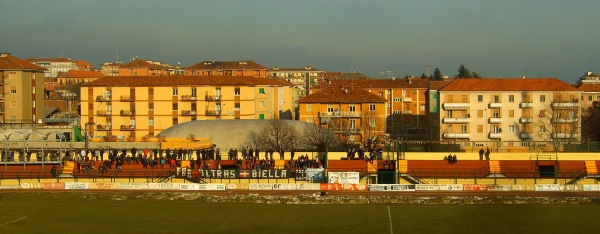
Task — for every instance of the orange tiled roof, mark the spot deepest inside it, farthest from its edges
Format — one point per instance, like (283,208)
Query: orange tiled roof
(589,87)
(509,84)
(379,83)
(591,75)
(80,74)
(302,69)
(141,63)
(83,63)
(341,94)
(58,60)
(226,65)
(10,62)
(144,81)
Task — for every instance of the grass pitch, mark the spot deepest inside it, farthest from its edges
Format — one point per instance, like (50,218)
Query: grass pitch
(47,212)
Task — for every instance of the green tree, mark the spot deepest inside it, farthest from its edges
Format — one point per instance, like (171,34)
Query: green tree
(463,72)
(423,76)
(437,74)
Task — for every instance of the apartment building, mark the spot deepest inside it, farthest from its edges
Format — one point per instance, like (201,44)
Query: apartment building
(54,65)
(304,78)
(405,107)
(227,68)
(111,68)
(537,109)
(137,106)
(77,77)
(21,90)
(352,113)
(140,67)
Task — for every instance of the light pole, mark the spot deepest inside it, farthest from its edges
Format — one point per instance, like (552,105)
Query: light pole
(485,131)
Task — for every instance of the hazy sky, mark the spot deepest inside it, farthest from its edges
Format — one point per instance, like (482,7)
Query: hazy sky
(502,38)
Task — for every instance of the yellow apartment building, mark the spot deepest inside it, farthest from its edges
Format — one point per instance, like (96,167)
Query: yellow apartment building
(138,106)
(352,113)
(140,67)
(227,68)
(405,106)
(21,90)
(509,109)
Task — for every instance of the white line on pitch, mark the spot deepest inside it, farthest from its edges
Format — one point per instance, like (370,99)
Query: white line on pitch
(16,220)
(390,216)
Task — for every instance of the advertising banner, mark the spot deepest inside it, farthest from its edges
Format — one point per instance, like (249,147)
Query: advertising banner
(547,187)
(135,186)
(103,186)
(497,187)
(53,185)
(347,187)
(76,185)
(188,186)
(9,187)
(591,187)
(260,186)
(211,187)
(475,187)
(344,177)
(163,186)
(439,187)
(306,186)
(284,186)
(392,187)
(315,174)
(517,187)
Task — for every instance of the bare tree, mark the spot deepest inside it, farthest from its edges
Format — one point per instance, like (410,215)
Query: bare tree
(278,135)
(559,121)
(253,140)
(590,123)
(317,137)
(371,127)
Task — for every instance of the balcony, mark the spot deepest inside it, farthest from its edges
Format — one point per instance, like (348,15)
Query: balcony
(495,105)
(525,135)
(565,105)
(563,121)
(101,127)
(127,128)
(406,99)
(127,113)
(526,105)
(212,98)
(346,131)
(212,113)
(188,112)
(103,98)
(495,135)
(340,114)
(564,136)
(495,120)
(127,99)
(457,135)
(188,98)
(103,113)
(526,120)
(456,120)
(456,106)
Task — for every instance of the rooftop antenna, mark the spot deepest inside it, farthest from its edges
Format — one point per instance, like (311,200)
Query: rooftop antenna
(427,70)
(117,54)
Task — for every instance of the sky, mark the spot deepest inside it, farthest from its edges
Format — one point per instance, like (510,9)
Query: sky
(508,38)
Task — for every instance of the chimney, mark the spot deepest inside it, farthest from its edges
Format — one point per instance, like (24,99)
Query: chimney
(2,55)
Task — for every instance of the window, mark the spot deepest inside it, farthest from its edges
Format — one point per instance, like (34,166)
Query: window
(13,104)
(542,113)
(542,98)
(236,92)
(13,89)
(423,107)
(150,106)
(511,113)
(151,122)
(309,120)
(175,121)
(465,98)
(261,91)
(542,128)
(175,106)
(352,124)
(309,107)
(479,113)
(496,99)
(261,104)
(352,108)
(496,115)
(463,129)
(479,98)
(381,94)
(194,92)
(329,108)
(511,98)
(261,116)
(435,96)
(175,92)
(511,128)
(372,122)
(397,99)
(371,107)
(479,128)
(150,91)
(236,107)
